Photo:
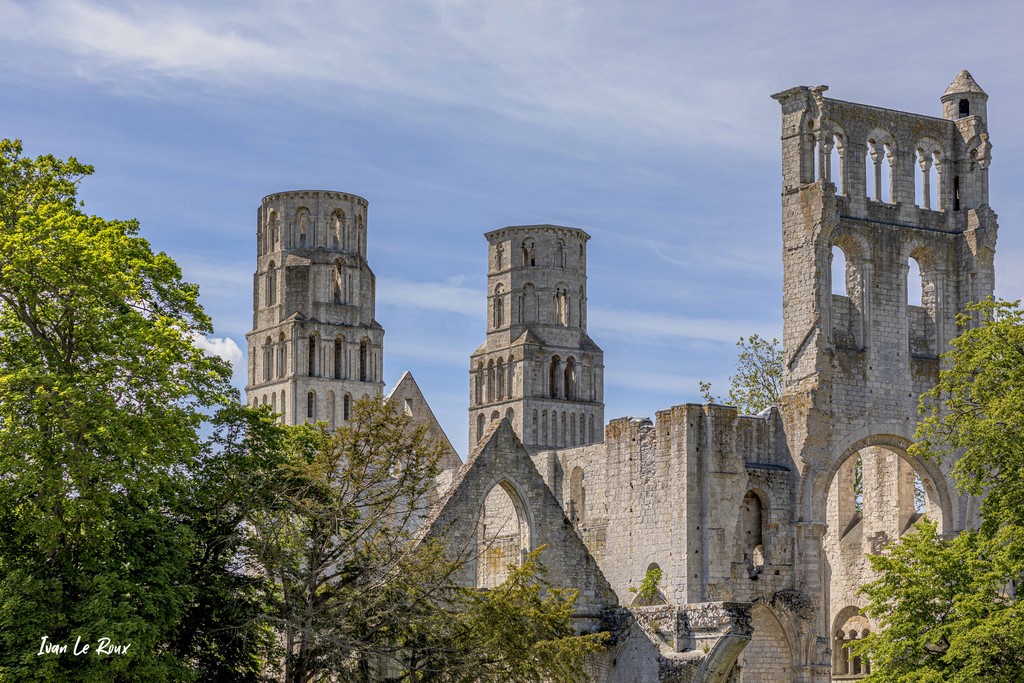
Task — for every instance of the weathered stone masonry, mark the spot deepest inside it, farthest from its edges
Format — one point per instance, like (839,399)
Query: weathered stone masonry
(763,513)
(758,523)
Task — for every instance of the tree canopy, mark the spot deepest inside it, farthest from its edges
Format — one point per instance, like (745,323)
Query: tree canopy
(358,595)
(757,383)
(948,608)
(104,393)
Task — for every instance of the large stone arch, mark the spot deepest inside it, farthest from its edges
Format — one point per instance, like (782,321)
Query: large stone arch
(815,481)
(768,657)
(510,540)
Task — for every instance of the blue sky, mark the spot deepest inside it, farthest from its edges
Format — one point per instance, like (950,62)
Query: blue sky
(648,124)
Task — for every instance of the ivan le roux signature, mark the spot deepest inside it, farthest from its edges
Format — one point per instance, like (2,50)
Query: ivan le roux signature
(103,647)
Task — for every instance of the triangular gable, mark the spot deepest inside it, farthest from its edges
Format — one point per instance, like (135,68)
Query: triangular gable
(501,459)
(408,398)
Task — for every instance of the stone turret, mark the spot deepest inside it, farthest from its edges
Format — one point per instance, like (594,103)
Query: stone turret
(538,367)
(315,346)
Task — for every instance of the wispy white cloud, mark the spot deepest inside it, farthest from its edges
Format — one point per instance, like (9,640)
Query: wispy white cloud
(450,297)
(647,325)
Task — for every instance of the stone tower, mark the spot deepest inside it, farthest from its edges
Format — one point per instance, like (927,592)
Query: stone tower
(315,346)
(902,200)
(538,367)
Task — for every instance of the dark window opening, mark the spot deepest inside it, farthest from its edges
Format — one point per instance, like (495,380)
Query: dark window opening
(956,193)
(965,108)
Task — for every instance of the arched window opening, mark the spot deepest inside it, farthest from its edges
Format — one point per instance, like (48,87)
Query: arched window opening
(529,253)
(510,415)
(553,377)
(956,193)
(337,225)
(303,220)
(271,232)
(577,497)
(593,436)
(563,439)
(490,381)
(284,409)
(311,405)
(583,262)
(330,410)
(570,378)
(572,430)
(339,359)
(270,296)
(282,355)
(480,424)
(532,438)
(839,271)
(753,534)
(850,627)
(364,360)
(926,185)
(503,535)
(339,284)
(554,429)
(965,108)
(478,389)
(346,408)
(914,283)
(560,254)
(889,175)
(312,355)
(544,428)
(495,416)
(268,359)
(836,164)
(499,371)
(499,307)
(499,256)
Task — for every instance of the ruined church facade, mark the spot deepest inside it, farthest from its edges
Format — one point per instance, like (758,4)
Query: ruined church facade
(758,524)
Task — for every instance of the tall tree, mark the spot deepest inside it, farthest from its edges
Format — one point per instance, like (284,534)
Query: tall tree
(357,595)
(948,609)
(103,393)
(757,383)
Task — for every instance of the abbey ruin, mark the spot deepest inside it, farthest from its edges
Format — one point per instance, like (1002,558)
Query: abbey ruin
(759,523)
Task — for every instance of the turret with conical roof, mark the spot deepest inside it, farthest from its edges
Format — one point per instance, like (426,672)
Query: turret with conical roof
(963,98)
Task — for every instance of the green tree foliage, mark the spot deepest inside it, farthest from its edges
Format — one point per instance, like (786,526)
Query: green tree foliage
(757,383)
(102,394)
(344,571)
(357,595)
(948,608)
